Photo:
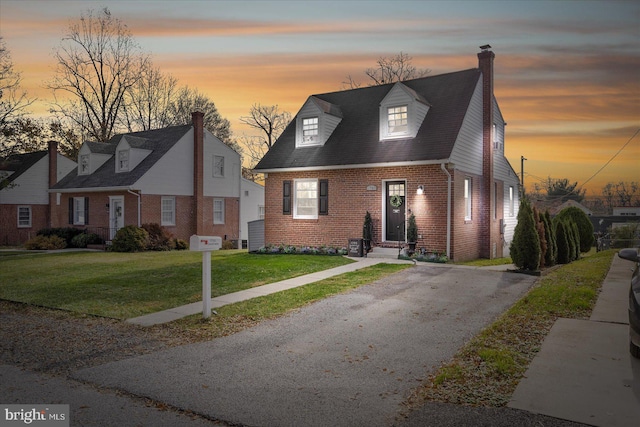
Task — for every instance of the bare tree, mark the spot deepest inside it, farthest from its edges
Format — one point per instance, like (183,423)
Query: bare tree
(97,63)
(271,122)
(13,103)
(148,102)
(389,70)
(621,194)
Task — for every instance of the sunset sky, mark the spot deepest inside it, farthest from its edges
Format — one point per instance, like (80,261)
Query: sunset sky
(567,73)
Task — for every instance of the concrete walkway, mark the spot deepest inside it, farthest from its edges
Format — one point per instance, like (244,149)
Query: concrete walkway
(197,307)
(584,371)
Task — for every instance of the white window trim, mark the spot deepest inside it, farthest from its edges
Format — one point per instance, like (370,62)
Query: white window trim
(28,208)
(119,161)
(295,199)
(218,172)
(309,140)
(511,201)
(468,199)
(78,211)
(171,211)
(260,211)
(82,164)
(404,132)
(219,220)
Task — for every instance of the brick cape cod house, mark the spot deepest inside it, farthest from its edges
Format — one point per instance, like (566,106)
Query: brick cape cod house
(432,147)
(24,200)
(181,177)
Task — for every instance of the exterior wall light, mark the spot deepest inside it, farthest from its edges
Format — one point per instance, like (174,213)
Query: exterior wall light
(420,190)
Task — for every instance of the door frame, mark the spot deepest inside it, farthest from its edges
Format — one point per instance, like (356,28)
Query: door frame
(116,217)
(385,183)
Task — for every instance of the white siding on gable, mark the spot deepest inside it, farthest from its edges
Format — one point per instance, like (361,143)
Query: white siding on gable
(95,159)
(32,186)
(326,123)
(220,186)
(467,151)
(173,173)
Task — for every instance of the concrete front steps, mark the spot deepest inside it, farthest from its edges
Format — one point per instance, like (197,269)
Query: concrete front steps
(379,252)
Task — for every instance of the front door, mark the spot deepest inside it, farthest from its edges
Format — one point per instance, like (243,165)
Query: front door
(395,211)
(116,215)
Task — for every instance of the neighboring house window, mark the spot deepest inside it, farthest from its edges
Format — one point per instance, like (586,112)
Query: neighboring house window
(123,160)
(24,216)
(467,199)
(79,210)
(218,211)
(305,199)
(218,166)
(397,120)
(310,130)
(84,164)
(511,202)
(168,210)
(260,212)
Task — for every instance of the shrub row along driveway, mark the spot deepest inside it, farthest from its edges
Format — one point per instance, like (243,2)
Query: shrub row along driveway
(347,360)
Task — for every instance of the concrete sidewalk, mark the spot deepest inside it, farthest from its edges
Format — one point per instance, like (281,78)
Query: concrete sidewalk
(584,371)
(197,307)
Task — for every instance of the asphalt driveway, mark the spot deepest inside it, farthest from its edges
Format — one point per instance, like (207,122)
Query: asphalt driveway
(348,360)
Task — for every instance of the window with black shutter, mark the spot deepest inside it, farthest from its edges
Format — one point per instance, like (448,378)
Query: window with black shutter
(323,197)
(286,197)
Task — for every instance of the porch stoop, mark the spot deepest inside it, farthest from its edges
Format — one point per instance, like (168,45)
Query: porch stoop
(379,252)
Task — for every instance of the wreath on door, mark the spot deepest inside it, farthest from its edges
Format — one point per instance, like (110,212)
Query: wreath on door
(396,201)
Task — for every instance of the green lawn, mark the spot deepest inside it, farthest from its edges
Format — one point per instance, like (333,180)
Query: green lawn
(125,285)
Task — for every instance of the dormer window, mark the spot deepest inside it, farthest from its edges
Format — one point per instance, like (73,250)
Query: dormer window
(397,120)
(402,112)
(84,164)
(123,160)
(309,130)
(315,122)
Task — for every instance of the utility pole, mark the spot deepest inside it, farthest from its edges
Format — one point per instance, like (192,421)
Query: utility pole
(522,159)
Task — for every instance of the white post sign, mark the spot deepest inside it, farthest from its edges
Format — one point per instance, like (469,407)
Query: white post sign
(205,244)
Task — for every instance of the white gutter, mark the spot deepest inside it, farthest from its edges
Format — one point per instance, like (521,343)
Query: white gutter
(444,169)
(139,204)
(88,189)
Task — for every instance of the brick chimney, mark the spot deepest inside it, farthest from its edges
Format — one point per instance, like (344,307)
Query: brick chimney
(53,177)
(197,119)
(487,234)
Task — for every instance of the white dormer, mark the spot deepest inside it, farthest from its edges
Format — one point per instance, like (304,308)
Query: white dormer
(129,153)
(91,156)
(401,113)
(315,122)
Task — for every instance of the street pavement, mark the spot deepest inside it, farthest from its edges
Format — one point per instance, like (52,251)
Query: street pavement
(351,359)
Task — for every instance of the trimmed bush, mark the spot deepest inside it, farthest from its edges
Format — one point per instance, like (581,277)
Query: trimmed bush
(66,233)
(130,239)
(525,247)
(228,244)
(159,238)
(84,239)
(180,244)
(551,255)
(585,228)
(542,235)
(46,243)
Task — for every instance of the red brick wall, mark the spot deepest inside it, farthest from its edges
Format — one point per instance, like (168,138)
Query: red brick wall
(151,212)
(10,234)
(349,200)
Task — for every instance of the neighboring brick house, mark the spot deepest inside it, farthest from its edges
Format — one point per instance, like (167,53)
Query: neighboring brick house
(24,199)
(432,146)
(181,177)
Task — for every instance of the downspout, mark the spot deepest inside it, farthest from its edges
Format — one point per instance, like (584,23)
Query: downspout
(444,169)
(139,203)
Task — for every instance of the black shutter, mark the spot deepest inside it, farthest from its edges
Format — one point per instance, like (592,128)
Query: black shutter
(323,200)
(286,197)
(71,210)
(86,210)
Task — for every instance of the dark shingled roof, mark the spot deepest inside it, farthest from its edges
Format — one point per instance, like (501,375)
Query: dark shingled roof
(20,163)
(159,141)
(355,141)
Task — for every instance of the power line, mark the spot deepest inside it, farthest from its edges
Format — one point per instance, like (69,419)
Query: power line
(611,159)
